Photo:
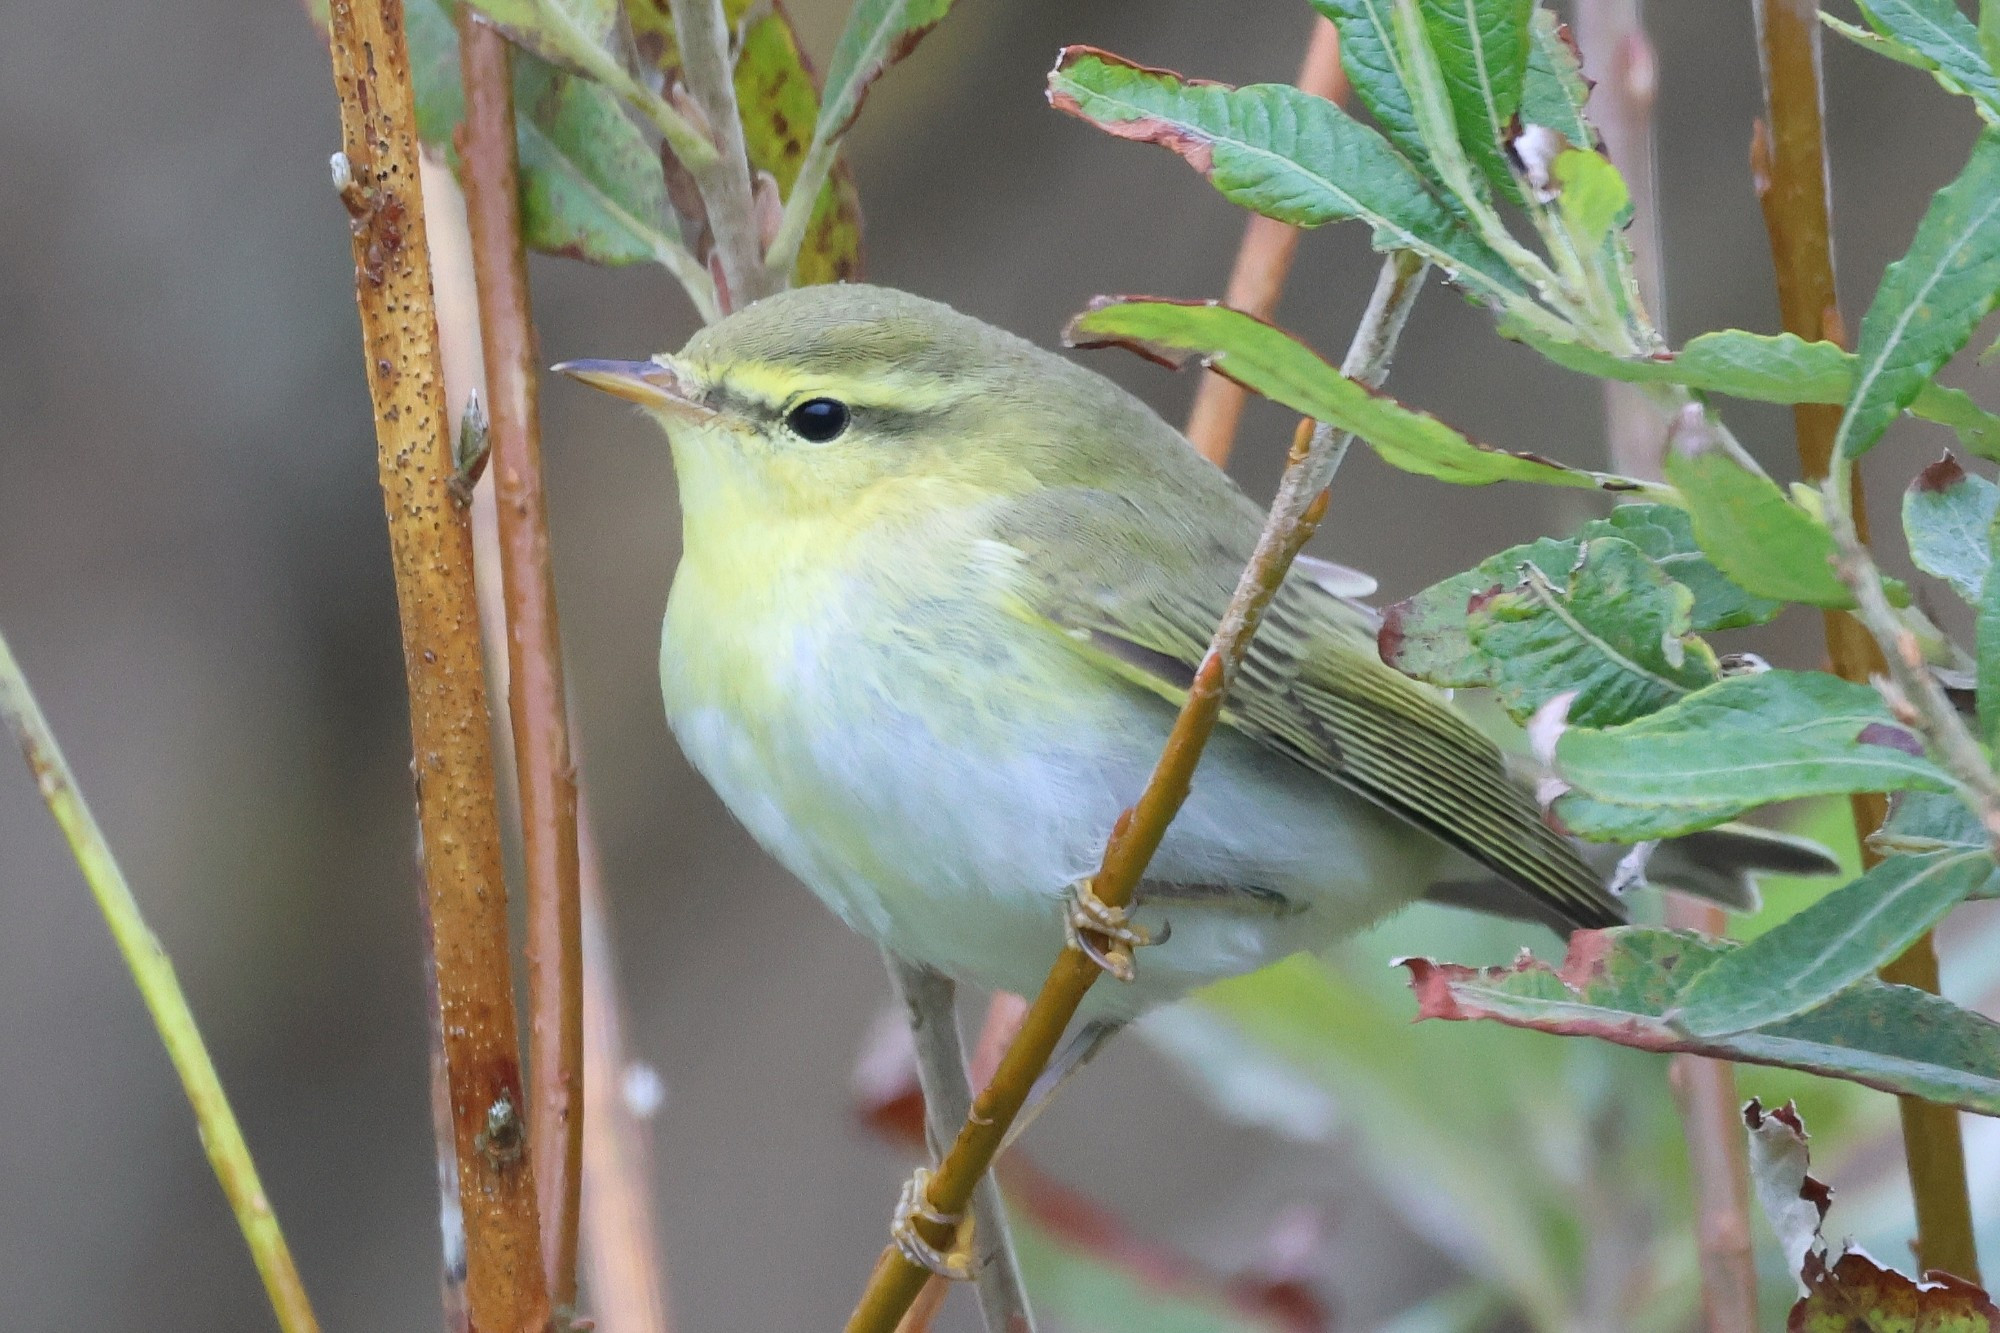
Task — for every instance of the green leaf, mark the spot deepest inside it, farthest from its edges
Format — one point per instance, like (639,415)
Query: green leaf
(1989,32)
(1765,368)
(582,36)
(1930,300)
(1887,47)
(590,183)
(878,33)
(1283,153)
(1482,52)
(1375,70)
(1753,532)
(1620,985)
(1594,199)
(1948,517)
(1666,534)
(1741,743)
(1616,630)
(1554,90)
(1427,635)
(779,100)
(1942,37)
(1923,822)
(1269,361)
(1837,941)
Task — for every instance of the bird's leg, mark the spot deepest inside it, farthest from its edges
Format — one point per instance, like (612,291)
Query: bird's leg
(912,1207)
(986,1254)
(1102,933)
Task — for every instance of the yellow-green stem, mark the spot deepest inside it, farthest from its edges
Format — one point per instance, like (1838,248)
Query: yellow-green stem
(1789,164)
(153,973)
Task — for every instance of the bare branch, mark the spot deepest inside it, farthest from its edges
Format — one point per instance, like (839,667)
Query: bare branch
(431,549)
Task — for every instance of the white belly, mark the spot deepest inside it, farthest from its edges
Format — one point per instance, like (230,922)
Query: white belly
(947,823)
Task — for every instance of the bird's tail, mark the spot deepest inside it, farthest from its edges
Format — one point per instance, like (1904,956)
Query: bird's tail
(1718,865)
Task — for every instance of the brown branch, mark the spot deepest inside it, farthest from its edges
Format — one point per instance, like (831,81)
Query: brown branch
(1295,513)
(1788,159)
(537,703)
(458,350)
(1263,261)
(431,550)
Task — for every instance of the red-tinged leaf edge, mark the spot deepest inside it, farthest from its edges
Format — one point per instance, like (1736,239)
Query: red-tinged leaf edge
(1431,981)
(1436,987)
(1196,149)
(1815,1191)
(1857,1295)
(867,76)
(1940,476)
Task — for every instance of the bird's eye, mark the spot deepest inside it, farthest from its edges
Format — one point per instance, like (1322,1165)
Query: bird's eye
(818,420)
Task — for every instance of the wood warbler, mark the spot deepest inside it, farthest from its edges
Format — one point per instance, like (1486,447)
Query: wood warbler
(940,596)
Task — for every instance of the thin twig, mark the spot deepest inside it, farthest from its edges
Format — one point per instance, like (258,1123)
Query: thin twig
(1618,54)
(1295,512)
(1263,260)
(153,973)
(930,1002)
(1705,1094)
(431,549)
(1913,693)
(628,1285)
(538,705)
(702,32)
(1788,157)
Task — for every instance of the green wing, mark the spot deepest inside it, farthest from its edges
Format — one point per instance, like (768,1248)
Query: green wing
(1142,593)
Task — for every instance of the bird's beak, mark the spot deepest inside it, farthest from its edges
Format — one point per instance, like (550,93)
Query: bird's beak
(656,384)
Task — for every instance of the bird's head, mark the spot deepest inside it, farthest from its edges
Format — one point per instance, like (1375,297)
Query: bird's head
(823,398)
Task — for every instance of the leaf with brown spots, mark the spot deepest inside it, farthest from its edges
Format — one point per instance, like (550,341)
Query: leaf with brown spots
(778,96)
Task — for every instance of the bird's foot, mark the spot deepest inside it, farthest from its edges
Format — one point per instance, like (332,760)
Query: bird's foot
(914,1206)
(1105,934)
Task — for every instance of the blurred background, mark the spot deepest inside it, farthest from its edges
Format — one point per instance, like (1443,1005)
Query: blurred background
(193,571)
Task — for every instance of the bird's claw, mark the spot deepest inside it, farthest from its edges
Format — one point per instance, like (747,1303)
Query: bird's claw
(914,1206)
(1105,934)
